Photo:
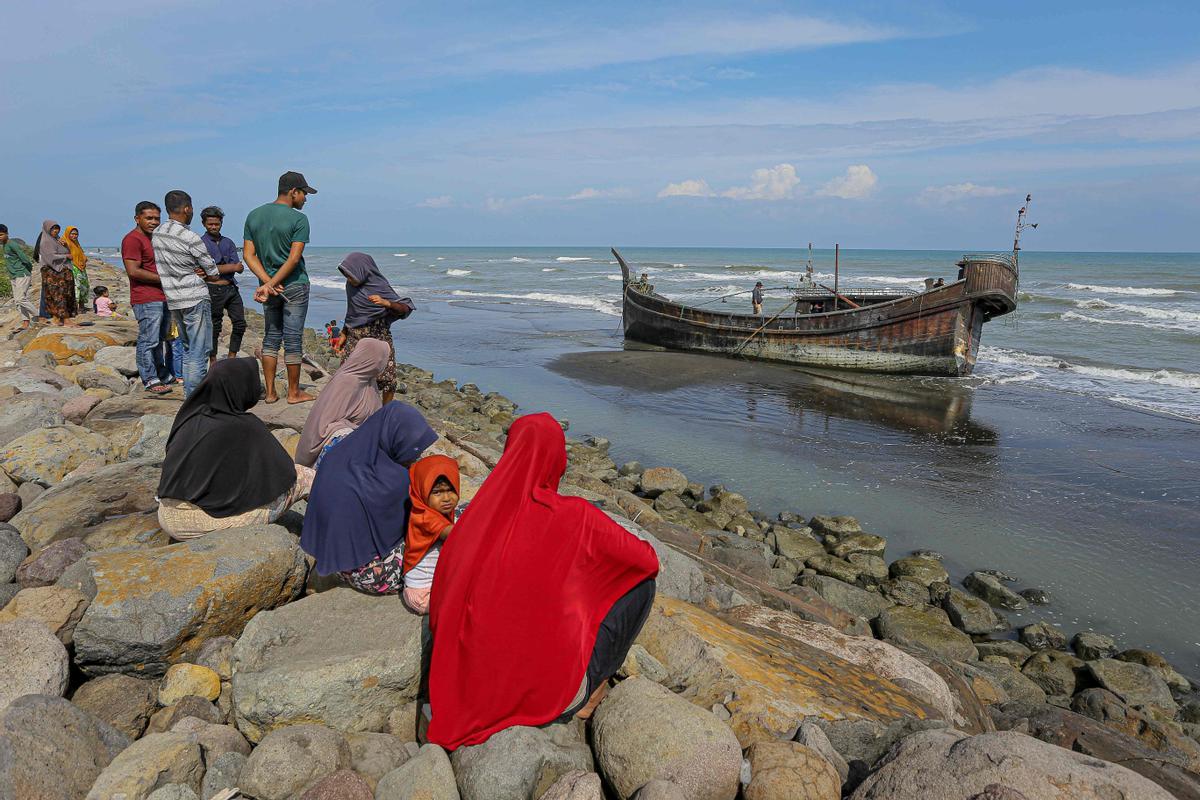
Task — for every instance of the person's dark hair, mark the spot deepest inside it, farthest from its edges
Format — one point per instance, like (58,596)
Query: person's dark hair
(442,483)
(177,200)
(212,211)
(3,229)
(99,290)
(145,205)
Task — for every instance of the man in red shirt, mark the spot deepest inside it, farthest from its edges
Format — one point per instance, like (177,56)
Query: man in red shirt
(146,296)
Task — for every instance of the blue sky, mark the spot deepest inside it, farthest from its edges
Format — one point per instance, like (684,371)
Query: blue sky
(872,124)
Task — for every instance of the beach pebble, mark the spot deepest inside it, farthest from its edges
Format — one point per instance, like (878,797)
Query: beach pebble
(643,732)
(1090,645)
(122,701)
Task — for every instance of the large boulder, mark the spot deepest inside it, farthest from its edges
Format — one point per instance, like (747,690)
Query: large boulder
(1042,636)
(657,480)
(290,760)
(1136,684)
(426,776)
(1053,671)
(970,614)
(150,763)
(1104,706)
(154,608)
(26,412)
(990,588)
(122,359)
(34,379)
(122,701)
(57,607)
(521,763)
(787,770)
(111,507)
(32,661)
(76,345)
(643,732)
(859,602)
(117,413)
(925,630)
(52,750)
(46,455)
(151,431)
(767,682)
(952,764)
(285,672)
(919,569)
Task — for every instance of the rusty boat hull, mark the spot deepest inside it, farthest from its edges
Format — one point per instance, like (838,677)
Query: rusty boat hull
(935,332)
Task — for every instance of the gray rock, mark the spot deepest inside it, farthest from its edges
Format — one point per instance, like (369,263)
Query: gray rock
(630,468)
(342,785)
(834,567)
(1137,685)
(32,661)
(290,760)
(952,764)
(223,773)
(872,569)
(639,662)
(188,706)
(1042,636)
(577,785)
(924,630)
(7,592)
(749,563)
(285,672)
(813,737)
(843,544)
(1036,597)
(47,565)
(1053,674)
(904,593)
(521,763)
(122,359)
(214,740)
(12,552)
(1090,645)
(52,750)
(426,776)
(122,701)
(660,790)
(28,492)
(10,504)
(152,432)
(862,742)
(1016,685)
(28,411)
(992,590)
(1156,662)
(149,763)
(1013,652)
(192,591)
(794,544)
(373,755)
(919,569)
(969,614)
(37,358)
(860,602)
(656,480)
(789,770)
(834,525)
(217,655)
(173,791)
(642,732)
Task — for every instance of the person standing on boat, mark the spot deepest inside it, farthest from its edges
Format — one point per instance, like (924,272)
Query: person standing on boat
(756,297)
(643,284)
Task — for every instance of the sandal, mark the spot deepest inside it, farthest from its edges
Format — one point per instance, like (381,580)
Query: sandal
(158,388)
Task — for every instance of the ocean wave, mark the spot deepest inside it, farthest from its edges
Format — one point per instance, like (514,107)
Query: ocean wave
(458,272)
(1184,325)
(441,258)
(400,255)
(1145,291)
(1060,367)
(760,274)
(519,260)
(327,283)
(572,258)
(609,307)
(551,269)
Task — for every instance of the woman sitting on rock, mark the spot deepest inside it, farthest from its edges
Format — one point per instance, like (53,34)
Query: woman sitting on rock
(223,468)
(433,493)
(345,403)
(537,600)
(357,515)
(372,305)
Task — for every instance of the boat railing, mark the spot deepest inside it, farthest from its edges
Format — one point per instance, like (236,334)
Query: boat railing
(818,293)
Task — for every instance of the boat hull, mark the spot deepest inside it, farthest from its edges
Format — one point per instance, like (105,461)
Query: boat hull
(936,332)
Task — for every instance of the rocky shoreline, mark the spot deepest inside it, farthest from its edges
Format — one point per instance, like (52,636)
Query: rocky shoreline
(786,657)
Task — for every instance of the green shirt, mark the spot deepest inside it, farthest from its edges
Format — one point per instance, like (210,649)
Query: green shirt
(19,265)
(273,228)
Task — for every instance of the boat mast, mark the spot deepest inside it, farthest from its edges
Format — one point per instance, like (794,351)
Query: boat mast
(1022,225)
(837,248)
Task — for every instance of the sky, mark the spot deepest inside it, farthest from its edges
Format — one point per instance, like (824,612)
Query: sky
(874,125)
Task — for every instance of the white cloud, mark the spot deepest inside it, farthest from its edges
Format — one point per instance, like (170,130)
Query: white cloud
(441,201)
(858,183)
(506,203)
(693,187)
(600,194)
(954,192)
(777,183)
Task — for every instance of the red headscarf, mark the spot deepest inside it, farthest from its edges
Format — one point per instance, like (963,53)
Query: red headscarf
(425,523)
(522,586)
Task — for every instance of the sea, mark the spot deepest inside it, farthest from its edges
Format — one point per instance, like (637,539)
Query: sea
(1069,460)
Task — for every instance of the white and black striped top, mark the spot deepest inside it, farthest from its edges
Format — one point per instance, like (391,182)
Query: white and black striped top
(178,250)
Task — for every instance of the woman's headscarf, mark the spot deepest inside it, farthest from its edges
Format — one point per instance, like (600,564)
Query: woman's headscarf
(358,506)
(219,456)
(78,257)
(522,586)
(347,401)
(363,270)
(425,523)
(51,252)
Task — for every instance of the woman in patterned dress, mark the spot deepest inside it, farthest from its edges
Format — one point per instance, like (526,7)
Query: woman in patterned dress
(372,305)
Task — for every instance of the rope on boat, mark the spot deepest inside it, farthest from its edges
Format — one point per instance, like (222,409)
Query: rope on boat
(738,351)
(723,297)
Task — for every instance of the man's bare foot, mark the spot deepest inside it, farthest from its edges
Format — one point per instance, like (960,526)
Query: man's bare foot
(593,701)
(300,397)
(271,398)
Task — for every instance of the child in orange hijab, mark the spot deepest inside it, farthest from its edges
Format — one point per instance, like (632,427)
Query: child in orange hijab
(433,491)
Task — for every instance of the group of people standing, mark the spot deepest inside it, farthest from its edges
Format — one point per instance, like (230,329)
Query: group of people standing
(66,292)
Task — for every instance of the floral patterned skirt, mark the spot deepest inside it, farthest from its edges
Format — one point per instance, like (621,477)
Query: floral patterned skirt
(83,289)
(376,329)
(58,288)
(381,576)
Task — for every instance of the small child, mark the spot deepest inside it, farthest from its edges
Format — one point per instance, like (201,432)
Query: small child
(102,305)
(433,491)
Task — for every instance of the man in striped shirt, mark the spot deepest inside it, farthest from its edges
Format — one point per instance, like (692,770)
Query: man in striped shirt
(183,265)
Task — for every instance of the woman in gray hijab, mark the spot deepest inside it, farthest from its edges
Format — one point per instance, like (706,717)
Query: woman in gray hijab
(58,283)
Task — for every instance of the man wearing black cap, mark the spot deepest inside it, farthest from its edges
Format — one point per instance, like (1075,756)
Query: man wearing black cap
(275,236)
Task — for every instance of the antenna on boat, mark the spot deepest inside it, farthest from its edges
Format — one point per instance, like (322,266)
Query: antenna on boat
(1022,225)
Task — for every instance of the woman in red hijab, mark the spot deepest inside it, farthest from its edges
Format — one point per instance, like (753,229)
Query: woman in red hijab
(537,598)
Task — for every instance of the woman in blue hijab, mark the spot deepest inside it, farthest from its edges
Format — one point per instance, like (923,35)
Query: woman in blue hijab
(357,513)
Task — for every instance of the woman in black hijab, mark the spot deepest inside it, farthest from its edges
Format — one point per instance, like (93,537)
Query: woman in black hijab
(223,468)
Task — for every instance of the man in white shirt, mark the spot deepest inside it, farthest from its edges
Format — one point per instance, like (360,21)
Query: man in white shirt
(183,264)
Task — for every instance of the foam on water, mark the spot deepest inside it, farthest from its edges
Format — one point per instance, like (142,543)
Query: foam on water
(328,283)
(1144,291)
(1185,326)
(572,258)
(458,272)
(609,307)
(400,255)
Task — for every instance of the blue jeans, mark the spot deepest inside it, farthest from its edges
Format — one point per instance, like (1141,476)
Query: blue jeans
(175,351)
(195,335)
(152,327)
(283,321)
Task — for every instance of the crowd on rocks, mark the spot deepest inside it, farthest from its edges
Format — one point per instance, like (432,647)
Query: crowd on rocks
(587,631)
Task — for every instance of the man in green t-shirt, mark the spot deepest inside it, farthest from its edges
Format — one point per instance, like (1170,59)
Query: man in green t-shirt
(20,275)
(275,236)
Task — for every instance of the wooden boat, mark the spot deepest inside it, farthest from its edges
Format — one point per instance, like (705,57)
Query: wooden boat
(932,332)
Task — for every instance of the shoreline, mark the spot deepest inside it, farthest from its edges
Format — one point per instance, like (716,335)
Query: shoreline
(752,610)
